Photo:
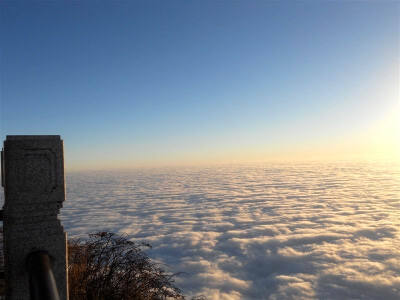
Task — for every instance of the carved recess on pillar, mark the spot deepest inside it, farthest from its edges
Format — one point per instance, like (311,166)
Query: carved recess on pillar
(38,162)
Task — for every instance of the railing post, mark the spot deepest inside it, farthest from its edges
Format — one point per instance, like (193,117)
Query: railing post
(33,179)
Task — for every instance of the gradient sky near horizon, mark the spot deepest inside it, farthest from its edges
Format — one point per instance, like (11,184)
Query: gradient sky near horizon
(151,83)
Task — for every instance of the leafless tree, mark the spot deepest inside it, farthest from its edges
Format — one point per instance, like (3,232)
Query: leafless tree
(111,267)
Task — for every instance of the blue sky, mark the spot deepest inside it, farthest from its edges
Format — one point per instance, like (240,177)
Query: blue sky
(169,82)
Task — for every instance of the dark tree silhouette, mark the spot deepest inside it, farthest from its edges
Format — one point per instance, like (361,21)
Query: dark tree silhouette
(110,267)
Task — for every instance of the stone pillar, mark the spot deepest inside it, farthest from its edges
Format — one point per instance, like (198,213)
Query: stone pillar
(33,179)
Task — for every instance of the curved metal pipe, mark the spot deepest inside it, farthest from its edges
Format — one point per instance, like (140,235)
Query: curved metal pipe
(42,285)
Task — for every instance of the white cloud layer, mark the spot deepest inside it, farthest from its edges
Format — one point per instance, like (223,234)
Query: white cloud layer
(298,231)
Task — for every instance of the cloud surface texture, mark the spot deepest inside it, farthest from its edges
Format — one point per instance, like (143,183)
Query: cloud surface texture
(272,231)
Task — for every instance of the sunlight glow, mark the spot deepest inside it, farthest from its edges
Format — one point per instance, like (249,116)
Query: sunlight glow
(386,136)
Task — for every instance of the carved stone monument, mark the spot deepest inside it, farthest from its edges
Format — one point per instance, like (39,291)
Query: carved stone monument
(33,180)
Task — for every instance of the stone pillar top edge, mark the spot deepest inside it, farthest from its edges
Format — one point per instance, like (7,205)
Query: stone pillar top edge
(32,137)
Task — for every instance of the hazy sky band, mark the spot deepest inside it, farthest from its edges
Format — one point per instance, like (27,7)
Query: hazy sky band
(157,82)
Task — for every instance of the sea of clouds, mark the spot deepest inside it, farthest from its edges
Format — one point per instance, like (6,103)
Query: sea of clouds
(277,231)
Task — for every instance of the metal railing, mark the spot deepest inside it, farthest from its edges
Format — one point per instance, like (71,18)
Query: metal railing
(42,285)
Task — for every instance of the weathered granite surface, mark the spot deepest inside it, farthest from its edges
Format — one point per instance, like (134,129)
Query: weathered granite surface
(33,179)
